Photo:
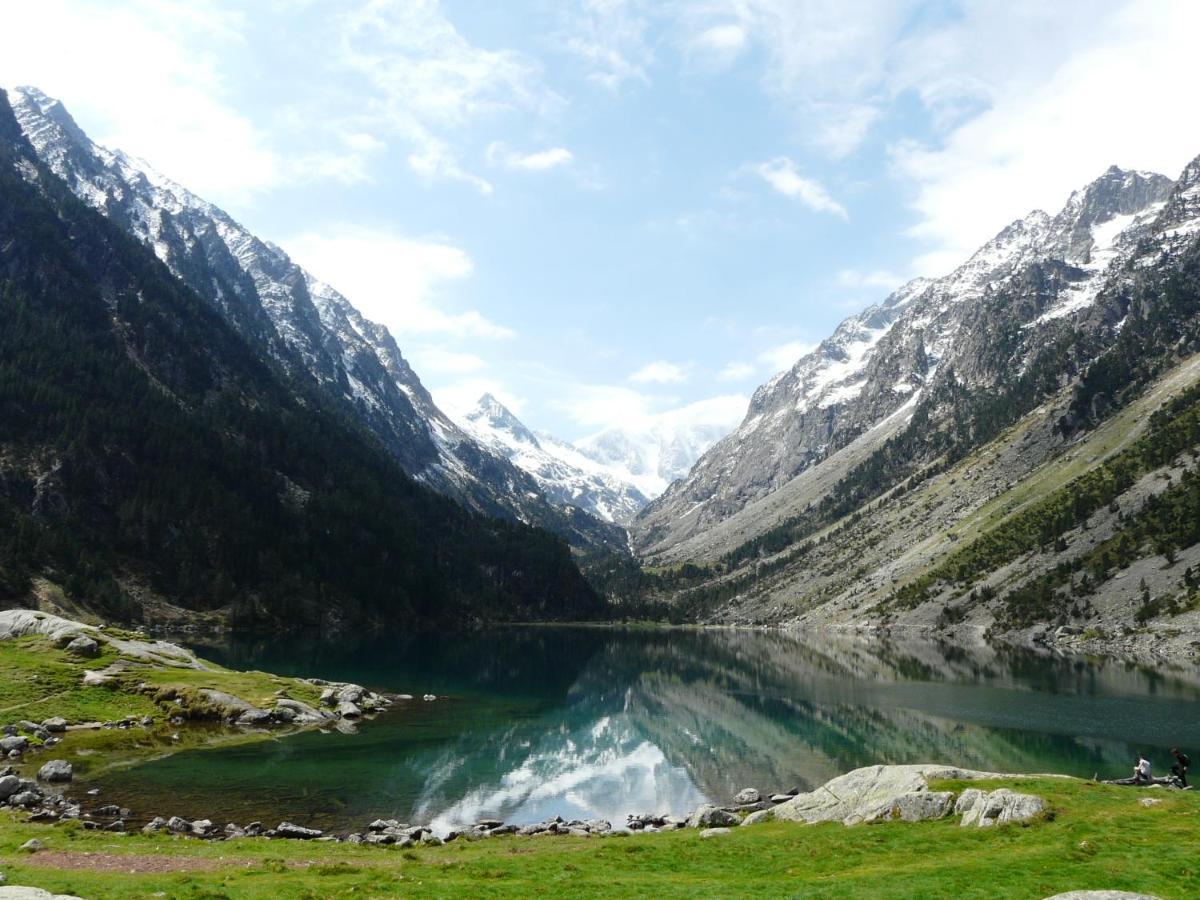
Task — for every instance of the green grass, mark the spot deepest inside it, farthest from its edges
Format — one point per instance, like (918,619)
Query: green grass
(39,680)
(1094,837)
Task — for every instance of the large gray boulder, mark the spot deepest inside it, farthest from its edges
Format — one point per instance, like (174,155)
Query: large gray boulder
(84,646)
(55,724)
(708,816)
(55,770)
(9,785)
(21,892)
(923,805)
(998,807)
(17,742)
(1102,895)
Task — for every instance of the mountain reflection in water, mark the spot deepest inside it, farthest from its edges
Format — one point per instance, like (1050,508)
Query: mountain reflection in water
(598,723)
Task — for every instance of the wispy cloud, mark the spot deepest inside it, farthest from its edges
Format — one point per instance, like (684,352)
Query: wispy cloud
(784,356)
(736,371)
(500,154)
(784,177)
(660,372)
(868,278)
(394,279)
(609,37)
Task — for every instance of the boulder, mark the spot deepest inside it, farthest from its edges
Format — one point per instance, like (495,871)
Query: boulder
(996,808)
(1102,895)
(714,832)
(9,785)
(297,832)
(203,827)
(254,716)
(868,794)
(17,742)
(55,770)
(21,892)
(55,724)
(158,823)
(179,825)
(84,646)
(747,795)
(707,816)
(348,710)
(922,805)
(33,845)
(92,678)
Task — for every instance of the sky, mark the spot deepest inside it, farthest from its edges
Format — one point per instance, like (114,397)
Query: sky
(611,213)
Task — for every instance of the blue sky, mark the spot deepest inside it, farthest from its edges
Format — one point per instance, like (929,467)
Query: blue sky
(608,211)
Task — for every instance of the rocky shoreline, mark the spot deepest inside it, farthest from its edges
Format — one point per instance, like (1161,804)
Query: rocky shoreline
(870,794)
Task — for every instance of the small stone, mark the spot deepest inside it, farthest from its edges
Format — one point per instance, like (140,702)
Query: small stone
(747,795)
(158,823)
(297,832)
(1149,801)
(714,832)
(13,742)
(9,785)
(33,845)
(179,825)
(83,646)
(55,770)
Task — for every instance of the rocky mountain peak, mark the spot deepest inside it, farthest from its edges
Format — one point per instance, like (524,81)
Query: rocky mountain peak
(1115,197)
(495,415)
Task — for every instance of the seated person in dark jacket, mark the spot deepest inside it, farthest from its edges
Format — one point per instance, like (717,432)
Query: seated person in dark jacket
(1182,763)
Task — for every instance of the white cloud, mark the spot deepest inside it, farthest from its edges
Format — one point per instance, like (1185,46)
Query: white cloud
(436,360)
(784,177)
(736,371)
(393,279)
(659,372)
(872,278)
(1118,97)
(428,84)
(784,356)
(146,77)
(499,154)
(609,37)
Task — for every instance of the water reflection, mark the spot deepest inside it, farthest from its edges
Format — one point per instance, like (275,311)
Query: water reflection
(592,723)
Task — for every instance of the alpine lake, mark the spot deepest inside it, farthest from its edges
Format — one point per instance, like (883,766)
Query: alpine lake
(533,722)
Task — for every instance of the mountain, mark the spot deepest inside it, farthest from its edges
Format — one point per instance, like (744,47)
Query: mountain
(153,458)
(862,384)
(1012,445)
(565,475)
(653,457)
(295,321)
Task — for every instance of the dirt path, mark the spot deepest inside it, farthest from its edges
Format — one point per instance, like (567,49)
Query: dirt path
(137,863)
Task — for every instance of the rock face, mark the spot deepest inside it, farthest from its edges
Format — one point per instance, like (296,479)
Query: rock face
(294,320)
(881,793)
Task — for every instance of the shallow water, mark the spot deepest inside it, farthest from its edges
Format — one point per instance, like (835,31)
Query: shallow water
(598,723)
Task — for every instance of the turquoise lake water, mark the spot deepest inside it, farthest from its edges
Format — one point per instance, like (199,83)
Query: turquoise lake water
(599,723)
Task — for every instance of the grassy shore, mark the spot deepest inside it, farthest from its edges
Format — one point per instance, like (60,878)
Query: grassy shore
(1094,837)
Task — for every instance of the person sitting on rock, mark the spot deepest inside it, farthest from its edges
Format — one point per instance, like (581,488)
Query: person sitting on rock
(1141,772)
(1182,763)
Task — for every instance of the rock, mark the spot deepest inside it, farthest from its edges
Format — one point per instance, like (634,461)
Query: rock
(84,646)
(203,827)
(707,816)
(329,696)
(429,698)
(996,808)
(781,798)
(288,830)
(488,824)
(350,694)
(714,832)
(9,785)
(20,892)
(747,795)
(179,825)
(285,715)
(25,798)
(117,826)
(92,678)
(1102,895)
(158,823)
(55,724)
(33,845)
(17,742)
(348,710)
(868,794)
(55,770)
(302,711)
(923,805)
(1149,801)
(254,716)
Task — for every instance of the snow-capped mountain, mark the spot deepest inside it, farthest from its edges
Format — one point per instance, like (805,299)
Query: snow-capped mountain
(653,457)
(293,319)
(566,475)
(970,330)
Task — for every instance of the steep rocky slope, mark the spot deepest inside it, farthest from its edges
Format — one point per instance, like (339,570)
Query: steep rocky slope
(294,321)
(1041,471)
(970,330)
